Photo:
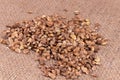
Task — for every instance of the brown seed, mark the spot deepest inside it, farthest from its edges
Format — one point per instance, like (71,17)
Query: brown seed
(94,75)
(51,75)
(14,34)
(65,10)
(76,12)
(29,12)
(73,36)
(26,51)
(85,70)
(104,42)
(21,46)
(49,23)
(1,40)
(30,40)
(97,61)
(17,50)
(94,68)
(78,67)
(69,45)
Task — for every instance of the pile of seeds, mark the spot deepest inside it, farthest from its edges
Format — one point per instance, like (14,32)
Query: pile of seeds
(70,44)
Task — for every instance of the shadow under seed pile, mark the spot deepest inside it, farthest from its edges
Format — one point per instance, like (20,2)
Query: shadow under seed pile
(71,44)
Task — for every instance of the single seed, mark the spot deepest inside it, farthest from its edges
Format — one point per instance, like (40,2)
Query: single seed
(51,75)
(29,12)
(84,69)
(73,36)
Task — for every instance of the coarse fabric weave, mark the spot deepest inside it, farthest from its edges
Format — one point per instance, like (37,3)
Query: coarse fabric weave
(15,66)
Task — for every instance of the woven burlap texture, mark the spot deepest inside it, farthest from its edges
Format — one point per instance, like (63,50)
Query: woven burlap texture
(23,67)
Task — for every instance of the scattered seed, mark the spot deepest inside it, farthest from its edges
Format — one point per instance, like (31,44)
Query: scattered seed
(65,10)
(29,12)
(76,12)
(97,26)
(70,44)
(97,60)
(104,42)
(94,75)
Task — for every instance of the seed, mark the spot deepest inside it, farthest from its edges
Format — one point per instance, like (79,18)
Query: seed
(97,61)
(73,36)
(104,42)
(94,75)
(25,51)
(30,40)
(70,46)
(78,67)
(51,75)
(51,35)
(76,12)
(49,23)
(65,10)
(17,50)
(29,12)
(43,16)
(1,40)
(21,46)
(84,69)
(87,20)
(97,26)
(14,34)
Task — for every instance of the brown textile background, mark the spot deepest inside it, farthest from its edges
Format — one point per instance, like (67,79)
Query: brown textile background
(23,67)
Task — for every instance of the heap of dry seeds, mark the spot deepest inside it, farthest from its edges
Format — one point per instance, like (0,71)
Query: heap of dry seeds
(71,44)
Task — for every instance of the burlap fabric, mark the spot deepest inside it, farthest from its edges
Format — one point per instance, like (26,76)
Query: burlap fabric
(23,67)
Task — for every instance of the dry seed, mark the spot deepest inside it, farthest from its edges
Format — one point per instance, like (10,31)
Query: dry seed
(104,42)
(52,75)
(76,12)
(97,61)
(73,36)
(14,34)
(94,75)
(49,23)
(65,10)
(87,20)
(71,44)
(29,12)
(85,70)
(25,51)
(17,50)
(1,40)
